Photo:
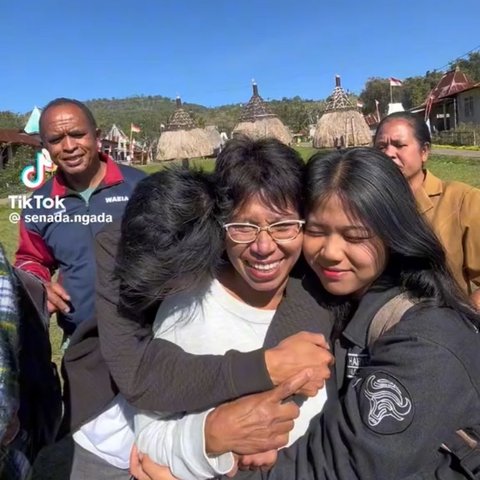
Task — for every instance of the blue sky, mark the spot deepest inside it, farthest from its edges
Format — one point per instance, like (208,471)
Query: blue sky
(208,51)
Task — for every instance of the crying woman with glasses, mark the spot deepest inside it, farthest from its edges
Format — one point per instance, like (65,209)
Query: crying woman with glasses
(222,252)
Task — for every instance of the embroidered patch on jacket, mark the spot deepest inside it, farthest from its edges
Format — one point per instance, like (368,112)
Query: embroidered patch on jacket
(385,404)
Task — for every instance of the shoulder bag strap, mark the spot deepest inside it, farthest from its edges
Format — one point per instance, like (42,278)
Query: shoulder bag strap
(388,316)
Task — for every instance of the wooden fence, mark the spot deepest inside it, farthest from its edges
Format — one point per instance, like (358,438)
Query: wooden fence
(453,137)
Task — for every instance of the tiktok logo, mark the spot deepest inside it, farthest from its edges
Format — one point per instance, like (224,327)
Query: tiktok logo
(33,176)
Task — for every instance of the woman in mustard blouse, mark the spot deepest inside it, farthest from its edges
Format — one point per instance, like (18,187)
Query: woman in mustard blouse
(452,208)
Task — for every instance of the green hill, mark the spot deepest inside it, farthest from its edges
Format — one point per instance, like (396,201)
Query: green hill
(150,112)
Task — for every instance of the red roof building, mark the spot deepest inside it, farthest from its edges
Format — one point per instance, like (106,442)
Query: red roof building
(15,136)
(11,139)
(450,84)
(444,106)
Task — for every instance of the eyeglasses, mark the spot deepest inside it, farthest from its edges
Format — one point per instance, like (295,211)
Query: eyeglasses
(281,232)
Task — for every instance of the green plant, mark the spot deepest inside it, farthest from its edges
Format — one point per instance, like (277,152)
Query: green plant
(10,182)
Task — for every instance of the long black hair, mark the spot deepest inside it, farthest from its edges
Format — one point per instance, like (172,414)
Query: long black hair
(373,190)
(171,238)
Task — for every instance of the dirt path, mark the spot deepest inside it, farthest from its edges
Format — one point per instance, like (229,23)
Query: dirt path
(456,153)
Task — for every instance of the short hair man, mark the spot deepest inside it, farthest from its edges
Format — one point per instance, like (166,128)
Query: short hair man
(59,223)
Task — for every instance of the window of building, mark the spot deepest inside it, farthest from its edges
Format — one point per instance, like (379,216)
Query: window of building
(468,105)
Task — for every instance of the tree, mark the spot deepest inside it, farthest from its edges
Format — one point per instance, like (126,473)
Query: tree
(10,120)
(415,90)
(292,112)
(10,175)
(469,66)
(375,89)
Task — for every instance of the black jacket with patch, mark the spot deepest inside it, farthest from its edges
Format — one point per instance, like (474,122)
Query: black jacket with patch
(398,402)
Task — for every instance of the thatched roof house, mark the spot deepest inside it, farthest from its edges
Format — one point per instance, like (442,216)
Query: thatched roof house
(257,121)
(341,125)
(182,139)
(215,138)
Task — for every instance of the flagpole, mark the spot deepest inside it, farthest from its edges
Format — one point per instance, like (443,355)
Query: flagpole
(131,141)
(130,147)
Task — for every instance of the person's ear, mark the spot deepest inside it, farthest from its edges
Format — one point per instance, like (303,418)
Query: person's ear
(425,151)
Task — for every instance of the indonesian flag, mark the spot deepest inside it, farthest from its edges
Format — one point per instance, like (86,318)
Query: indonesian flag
(359,104)
(135,128)
(395,82)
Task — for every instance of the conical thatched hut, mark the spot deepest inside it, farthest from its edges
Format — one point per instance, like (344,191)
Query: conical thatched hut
(256,121)
(182,139)
(341,124)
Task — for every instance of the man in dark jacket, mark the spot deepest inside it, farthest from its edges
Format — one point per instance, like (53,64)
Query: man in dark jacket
(61,218)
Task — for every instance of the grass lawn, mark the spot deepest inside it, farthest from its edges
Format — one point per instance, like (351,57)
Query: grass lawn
(205,163)
(9,231)
(446,167)
(462,169)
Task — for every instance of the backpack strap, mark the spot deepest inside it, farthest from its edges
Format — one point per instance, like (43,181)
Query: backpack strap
(388,316)
(464,445)
(35,291)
